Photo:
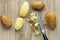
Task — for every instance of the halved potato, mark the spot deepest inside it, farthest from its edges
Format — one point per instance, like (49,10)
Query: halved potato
(24,9)
(19,23)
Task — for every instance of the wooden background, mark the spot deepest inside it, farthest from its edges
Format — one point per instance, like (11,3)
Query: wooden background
(11,8)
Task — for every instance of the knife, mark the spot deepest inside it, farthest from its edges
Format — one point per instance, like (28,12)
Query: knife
(41,26)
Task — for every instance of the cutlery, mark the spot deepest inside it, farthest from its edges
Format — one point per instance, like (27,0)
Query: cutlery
(41,26)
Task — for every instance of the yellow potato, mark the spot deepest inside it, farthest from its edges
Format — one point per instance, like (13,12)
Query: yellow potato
(32,18)
(6,21)
(38,5)
(19,23)
(24,9)
(51,19)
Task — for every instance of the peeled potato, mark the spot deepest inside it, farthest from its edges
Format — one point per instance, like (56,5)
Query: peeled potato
(19,23)
(6,21)
(51,19)
(24,9)
(38,5)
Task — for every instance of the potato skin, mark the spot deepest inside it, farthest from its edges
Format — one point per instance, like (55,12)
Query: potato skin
(19,23)
(51,19)
(6,21)
(38,5)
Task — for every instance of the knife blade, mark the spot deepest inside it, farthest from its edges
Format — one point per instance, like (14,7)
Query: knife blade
(41,26)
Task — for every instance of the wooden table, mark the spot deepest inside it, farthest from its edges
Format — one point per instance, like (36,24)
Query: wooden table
(11,8)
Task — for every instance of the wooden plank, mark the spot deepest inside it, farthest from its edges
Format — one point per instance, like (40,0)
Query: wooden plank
(11,8)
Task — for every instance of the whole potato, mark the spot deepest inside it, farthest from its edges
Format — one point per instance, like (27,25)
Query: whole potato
(19,23)
(6,21)
(24,9)
(51,19)
(38,5)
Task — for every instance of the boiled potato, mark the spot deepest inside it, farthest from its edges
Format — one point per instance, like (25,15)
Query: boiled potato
(38,5)
(51,19)
(32,17)
(6,21)
(24,9)
(35,30)
(36,24)
(19,23)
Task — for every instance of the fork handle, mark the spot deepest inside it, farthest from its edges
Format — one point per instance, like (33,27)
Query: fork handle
(44,36)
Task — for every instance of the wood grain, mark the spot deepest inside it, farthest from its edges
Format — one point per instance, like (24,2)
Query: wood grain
(11,8)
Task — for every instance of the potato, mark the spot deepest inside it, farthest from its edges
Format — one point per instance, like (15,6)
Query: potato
(36,24)
(35,30)
(19,23)
(6,21)
(24,9)
(51,19)
(38,5)
(32,18)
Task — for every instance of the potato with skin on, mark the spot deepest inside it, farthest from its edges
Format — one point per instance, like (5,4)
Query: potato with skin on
(24,9)
(51,19)
(6,21)
(19,23)
(38,5)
